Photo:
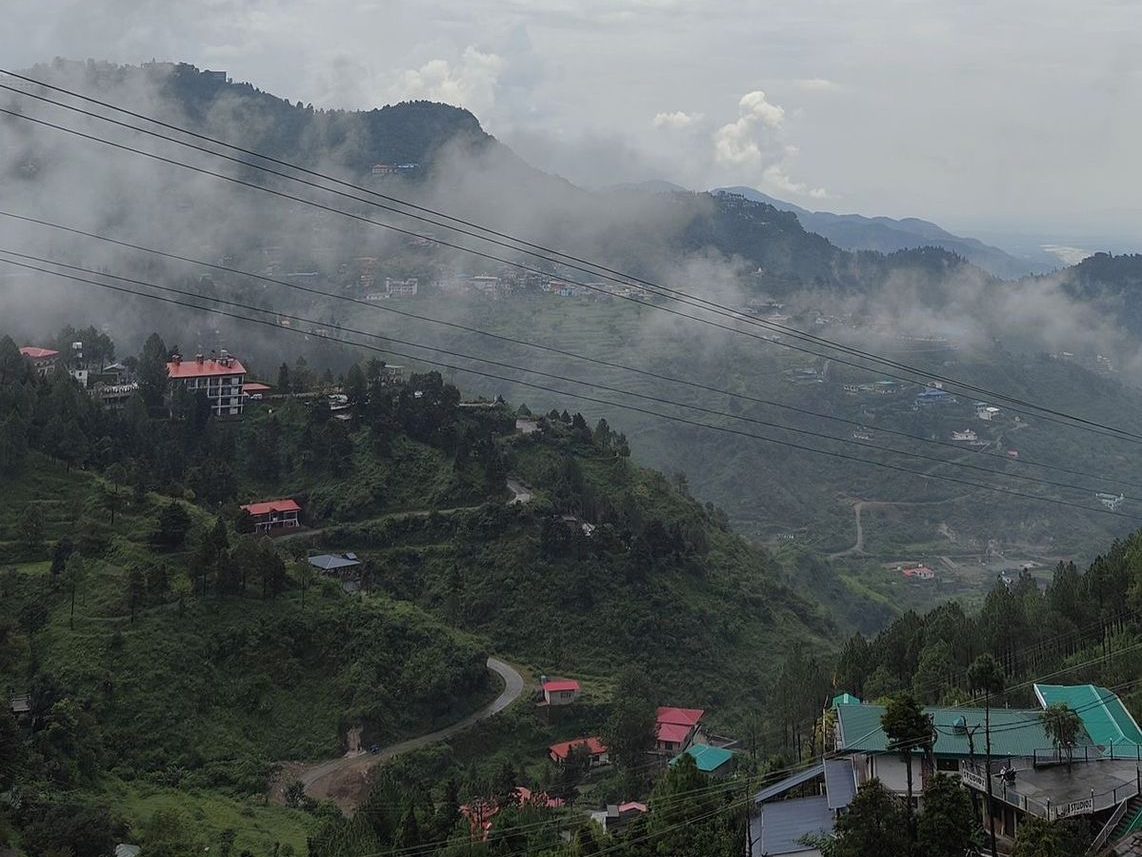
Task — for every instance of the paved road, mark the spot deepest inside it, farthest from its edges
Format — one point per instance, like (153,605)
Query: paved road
(344,780)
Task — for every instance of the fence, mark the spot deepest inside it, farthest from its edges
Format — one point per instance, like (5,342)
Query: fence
(974,776)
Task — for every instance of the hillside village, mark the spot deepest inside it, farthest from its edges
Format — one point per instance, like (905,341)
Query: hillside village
(610,750)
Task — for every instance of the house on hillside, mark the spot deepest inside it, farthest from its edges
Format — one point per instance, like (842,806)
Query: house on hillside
(219,379)
(333,563)
(715,762)
(934,396)
(617,816)
(966,435)
(675,728)
(561,691)
(596,751)
(255,392)
(43,360)
(271,515)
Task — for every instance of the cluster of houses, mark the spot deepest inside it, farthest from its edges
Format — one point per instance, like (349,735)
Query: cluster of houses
(111,383)
(221,378)
(1101,780)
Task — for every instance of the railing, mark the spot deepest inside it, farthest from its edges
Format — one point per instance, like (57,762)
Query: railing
(1108,828)
(973,776)
(1125,752)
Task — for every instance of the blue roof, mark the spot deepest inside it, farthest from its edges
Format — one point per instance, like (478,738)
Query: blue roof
(789,783)
(781,825)
(840,783)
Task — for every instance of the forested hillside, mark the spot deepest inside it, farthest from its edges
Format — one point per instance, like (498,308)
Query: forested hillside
(165,651)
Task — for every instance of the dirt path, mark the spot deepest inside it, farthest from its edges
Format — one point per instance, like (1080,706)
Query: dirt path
(858,508)
(345,780)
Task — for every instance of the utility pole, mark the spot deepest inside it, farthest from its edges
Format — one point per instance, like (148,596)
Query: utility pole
(987,771)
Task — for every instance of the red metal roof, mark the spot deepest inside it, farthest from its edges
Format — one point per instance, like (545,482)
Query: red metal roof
(682,716)
(562,684)
(208,368)
(267,507)
(632,806)
(35,353)
(563,750)
(673,733)
(255,387)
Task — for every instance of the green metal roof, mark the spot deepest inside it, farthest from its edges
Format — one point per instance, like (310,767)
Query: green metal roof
(845,699)
(1104,716)
(708,759)
(1014,732)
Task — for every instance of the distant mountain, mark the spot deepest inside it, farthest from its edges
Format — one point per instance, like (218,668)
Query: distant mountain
(886,235)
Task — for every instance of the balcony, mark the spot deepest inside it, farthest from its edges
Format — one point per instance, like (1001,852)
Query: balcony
(1091,784)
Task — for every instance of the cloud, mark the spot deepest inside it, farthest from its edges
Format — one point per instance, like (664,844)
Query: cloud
(776,177)
(676,120)
(737,143)
(469,83)
(816,84)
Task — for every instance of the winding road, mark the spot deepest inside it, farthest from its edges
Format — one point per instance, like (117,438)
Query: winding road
(345,780)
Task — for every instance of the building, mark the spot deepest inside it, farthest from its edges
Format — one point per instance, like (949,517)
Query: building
(675,728)
(1110,501)
(216,76)
(987,412)
(934,396)
(596,751)
(334,563)
(966,435)
(617,816)
(561,691)
(43,360)
(115,396)
(779,824)
(270,515)
(1029,776)
(713,761)
(220,380)
(919,572)
(401,288)
(255,392)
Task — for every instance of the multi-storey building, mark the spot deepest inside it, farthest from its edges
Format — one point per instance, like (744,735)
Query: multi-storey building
(219,379)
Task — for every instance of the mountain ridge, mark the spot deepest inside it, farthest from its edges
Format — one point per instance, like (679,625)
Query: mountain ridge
(886,235)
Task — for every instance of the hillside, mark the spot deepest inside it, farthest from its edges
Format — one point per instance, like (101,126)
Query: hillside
(888,235)
(198,656)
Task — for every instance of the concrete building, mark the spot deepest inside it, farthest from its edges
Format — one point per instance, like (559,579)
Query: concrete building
(43,360)
(220,380)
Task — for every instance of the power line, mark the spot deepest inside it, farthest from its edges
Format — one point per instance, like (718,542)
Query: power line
(545,388)
(555,350)
(1049,414)
(597,385)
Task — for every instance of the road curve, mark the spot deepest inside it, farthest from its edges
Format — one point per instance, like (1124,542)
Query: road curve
(344,780)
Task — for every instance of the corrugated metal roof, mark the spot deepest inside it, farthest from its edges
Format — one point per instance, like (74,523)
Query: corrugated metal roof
(330,562)
(1014,732)
(840,783)
(707,758)
(1104,717)
(786,822)
(789,783)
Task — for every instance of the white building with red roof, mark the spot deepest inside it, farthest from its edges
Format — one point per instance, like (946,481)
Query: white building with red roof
(272,515)
(43,360)
(219,379)
(561,691)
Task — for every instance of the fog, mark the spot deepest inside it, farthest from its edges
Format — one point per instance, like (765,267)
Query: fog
(89,186)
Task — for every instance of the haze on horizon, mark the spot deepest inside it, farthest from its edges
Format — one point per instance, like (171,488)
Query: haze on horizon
(988,120)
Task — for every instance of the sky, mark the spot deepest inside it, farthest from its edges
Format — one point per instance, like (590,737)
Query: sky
(1010,117)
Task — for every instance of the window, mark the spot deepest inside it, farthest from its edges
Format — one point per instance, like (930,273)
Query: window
(947,764)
